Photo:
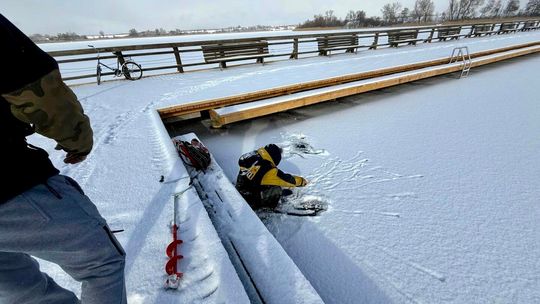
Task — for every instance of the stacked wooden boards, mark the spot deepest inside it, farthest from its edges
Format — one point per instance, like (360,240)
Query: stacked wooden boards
(231,109)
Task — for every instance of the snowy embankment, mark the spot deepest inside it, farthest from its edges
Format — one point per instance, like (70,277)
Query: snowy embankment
(443,247)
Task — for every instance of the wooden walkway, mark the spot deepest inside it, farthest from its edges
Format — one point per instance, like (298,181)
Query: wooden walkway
(231,109)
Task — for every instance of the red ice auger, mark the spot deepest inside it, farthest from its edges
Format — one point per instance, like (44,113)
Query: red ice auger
(171,267)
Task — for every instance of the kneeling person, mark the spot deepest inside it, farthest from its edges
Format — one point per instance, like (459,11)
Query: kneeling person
(259,181)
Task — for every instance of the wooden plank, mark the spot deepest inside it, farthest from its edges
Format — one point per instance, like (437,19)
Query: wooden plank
(232,48)
(337,38)
(203,105)
(221,120)
(344,47)
(226,52)
(402,36)
(530,25)
(483,29)
(222,53)
(236,58)
(242,98)
(448,31)
(309,99)
(225,55)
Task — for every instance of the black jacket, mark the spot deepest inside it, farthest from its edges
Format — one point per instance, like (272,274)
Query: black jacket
(22,166)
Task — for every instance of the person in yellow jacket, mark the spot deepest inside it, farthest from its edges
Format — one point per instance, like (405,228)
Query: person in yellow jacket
(260,182)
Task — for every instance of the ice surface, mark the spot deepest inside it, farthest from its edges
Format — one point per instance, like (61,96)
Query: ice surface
(432,188)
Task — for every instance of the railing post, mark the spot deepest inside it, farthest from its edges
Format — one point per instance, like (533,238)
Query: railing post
(260,50)
(375,42)
(471,32)
(430,36)
(294,54)
(325,46)
(178,60)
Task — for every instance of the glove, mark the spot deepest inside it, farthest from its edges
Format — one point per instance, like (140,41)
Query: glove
(302,182)
(72,157)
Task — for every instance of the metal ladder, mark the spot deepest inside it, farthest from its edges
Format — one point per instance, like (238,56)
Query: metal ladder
(462,53)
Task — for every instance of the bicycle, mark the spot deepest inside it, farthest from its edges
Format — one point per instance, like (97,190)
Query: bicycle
(130,69)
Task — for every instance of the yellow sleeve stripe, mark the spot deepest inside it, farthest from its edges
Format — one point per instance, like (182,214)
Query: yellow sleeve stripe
(271,179)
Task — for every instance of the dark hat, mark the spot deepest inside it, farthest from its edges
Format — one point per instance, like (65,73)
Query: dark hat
(275,152)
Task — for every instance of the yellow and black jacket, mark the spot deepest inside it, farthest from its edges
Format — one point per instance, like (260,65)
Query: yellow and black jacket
(258,171)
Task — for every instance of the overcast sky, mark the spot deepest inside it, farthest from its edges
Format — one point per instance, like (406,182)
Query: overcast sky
(118,16)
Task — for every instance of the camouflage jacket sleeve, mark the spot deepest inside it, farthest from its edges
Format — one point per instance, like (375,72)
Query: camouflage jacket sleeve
(53,109)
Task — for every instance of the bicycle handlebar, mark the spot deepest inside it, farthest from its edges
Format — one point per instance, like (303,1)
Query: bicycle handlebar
(94,49)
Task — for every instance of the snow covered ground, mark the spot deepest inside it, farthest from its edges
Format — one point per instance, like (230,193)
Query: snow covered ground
(432,186)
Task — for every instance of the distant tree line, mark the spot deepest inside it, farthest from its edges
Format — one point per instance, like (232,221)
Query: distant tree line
(470,9)
(162,32)
(424,11)
(68,36)
(149,33)
(353,19)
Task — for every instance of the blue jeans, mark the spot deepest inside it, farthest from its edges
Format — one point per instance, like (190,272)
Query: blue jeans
(56,222)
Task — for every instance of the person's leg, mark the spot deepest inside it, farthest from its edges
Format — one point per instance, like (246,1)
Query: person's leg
(251,199)
(21,282)
(270,196)
(58,223)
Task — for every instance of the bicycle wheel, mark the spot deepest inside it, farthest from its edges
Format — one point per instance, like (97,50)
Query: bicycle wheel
(132,70)
(98,75)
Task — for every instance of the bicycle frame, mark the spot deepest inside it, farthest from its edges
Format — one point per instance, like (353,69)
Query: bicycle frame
(115,70)
(112,69)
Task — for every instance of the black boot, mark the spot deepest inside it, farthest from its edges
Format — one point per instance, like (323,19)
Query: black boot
(286,192)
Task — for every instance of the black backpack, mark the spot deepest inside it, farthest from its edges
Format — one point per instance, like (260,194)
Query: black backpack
(193,153)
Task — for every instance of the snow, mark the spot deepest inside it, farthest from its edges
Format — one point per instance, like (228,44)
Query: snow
(432,186)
